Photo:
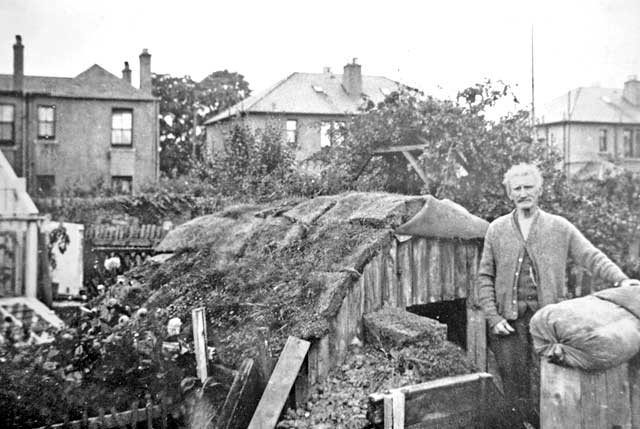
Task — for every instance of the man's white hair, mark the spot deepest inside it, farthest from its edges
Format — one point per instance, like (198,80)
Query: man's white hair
(522,169)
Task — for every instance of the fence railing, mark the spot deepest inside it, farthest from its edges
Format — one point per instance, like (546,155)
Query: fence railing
(147,414)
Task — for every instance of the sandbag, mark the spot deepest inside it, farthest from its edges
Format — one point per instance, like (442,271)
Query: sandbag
(591,333)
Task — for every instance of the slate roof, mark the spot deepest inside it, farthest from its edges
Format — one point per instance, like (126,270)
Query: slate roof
(95,82)
(296,94)
(590,104)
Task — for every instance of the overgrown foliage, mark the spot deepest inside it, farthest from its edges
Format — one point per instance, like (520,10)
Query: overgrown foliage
(94,364)
(257,163)
(465,153)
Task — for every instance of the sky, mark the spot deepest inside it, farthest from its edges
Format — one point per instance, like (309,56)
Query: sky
(440,47)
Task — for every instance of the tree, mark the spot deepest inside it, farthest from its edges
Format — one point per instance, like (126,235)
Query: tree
(465,156)
(181,100)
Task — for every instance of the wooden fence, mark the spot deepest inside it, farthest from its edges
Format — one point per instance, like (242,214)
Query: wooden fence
(132,418)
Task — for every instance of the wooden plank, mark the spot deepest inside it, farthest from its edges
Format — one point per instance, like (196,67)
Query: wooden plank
(593,391)
(200,342)
(378,276)
(560,397)
(395,149)
(446,399)
(355,311)
(280,384)
(416,166)
(324,358)
(634,391)
(405,271)
(385,291)
(264,359)
(340,331)
(434,290)
(302,387)
(473,260)
(617,394)
(460,270)
(481,339)
(369,292)
(420,254)
(391,275)
(398,405)
(242,399)
(448,267)
(388,412)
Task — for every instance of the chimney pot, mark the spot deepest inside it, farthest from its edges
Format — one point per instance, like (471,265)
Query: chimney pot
(18,64)
(145,71)
(126,73)
(326,70)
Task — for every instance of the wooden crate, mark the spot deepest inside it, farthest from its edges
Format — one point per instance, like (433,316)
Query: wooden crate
(451,402)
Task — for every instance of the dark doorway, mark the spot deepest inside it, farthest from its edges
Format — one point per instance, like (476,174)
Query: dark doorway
(451,313)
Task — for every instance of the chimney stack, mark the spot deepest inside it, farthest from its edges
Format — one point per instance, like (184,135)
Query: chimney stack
(18,65)
(631,91)
(145,71)
(352,79)
(126,73)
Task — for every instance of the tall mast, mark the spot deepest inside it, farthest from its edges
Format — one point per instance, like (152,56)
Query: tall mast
(533,92)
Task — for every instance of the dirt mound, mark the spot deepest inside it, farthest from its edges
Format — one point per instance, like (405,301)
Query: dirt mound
(286,268)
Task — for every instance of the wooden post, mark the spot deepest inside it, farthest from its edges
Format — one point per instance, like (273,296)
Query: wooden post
(264,360)
(200,342)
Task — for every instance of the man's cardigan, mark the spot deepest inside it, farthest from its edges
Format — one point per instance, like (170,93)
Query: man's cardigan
(551,242)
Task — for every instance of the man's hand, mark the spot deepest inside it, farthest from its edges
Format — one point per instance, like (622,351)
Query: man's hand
(630,282)
(503,328)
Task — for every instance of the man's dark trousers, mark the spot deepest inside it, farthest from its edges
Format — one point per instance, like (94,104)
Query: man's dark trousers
(519,369)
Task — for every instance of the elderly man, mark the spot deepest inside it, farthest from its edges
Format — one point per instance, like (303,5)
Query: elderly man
(523,268)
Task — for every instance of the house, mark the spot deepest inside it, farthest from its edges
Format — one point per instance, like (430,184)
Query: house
(305,105)
(92,130)
(595,126)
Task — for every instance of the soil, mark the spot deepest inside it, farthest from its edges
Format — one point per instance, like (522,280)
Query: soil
(341,401)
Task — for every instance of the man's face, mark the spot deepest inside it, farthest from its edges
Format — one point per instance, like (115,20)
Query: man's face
(524,192)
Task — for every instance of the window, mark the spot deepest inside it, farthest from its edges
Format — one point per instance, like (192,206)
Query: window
(121,127)
(602,146)
(121,184)
(292,130)
(626,144)
(47,122)
(6,124)
(636,144)
(45,184)
(318,89)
